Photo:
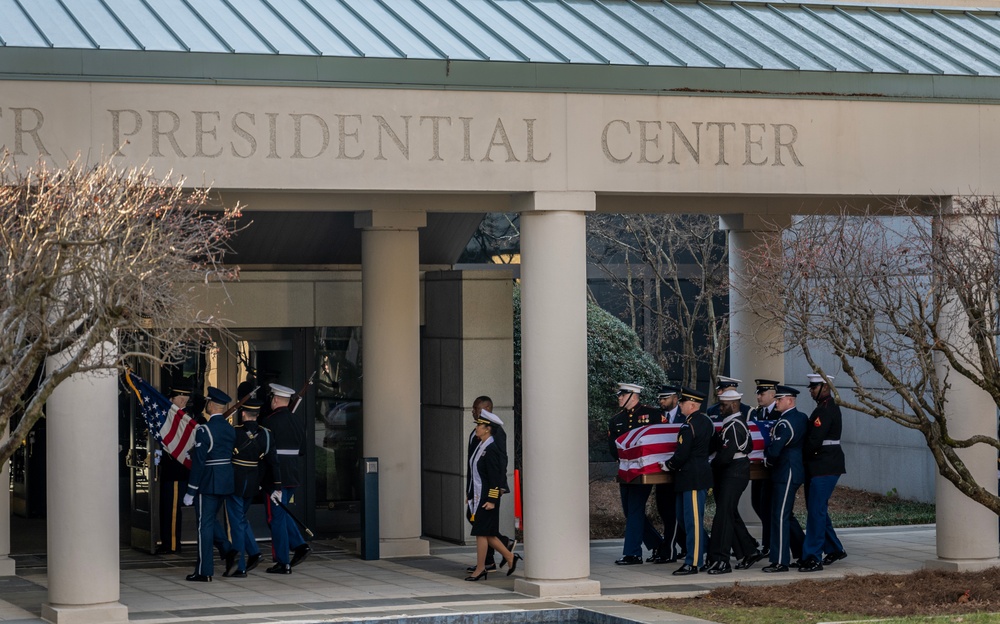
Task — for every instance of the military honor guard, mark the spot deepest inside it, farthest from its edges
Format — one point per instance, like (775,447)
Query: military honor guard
(211,480)
(638,529)
(784,456)
(732,445)
(764,415)
(173,480)
(692,477)
(824,463)
(720,386)
(253,445)
(666,497)
(290,548)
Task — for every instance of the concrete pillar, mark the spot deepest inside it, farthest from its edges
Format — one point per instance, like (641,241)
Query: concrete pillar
(554,394)
(82,500)
(467,351)
(755,343)
(7,567)
(966,531)
(390,338)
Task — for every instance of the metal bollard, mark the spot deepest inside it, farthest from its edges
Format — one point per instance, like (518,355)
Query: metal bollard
(369,509)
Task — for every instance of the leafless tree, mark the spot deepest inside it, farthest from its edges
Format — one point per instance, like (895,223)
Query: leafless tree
(673,270)
(94,256)
(895,293)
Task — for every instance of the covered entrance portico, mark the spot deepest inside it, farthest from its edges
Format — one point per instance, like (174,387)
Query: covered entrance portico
(394,158)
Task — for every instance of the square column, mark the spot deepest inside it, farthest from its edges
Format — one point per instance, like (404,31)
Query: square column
(554,394)
(390,338)
(82,499)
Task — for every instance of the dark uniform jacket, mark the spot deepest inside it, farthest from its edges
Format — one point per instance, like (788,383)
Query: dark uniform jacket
(821,452)
(689,463)
(732,445)
(491,468)
(784,452)
(211,458)
(714,412)
(627,420)
(500,441)
(288,437)
(253,444)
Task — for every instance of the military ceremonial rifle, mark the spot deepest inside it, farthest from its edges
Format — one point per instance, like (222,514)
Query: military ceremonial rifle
(301,393)
(232,410)
(288,511)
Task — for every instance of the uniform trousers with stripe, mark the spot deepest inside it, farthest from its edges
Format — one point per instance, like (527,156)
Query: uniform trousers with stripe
(674,537)
(210,532)
(638,529)
(691,507)
(782,502)
(820,537)
(243,538)
(760,499)
(285,535)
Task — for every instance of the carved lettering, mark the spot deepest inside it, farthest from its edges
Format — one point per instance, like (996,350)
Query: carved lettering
(644,139)
(272,126)
(778,144)
(200,132)
(175,122)
(466,139)
(695,152)
(116,131)
(751,142)
(721,125)
(499,131)
(297,131)
(343,135)
(20,131)
(435,134)
(404,147)
(604,141)
(244,134)
(530,127)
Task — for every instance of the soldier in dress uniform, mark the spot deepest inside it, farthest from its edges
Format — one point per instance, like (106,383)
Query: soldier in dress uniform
(665,495)
(692,477)
(720,386)
(760,489)
(638,529)
(288,438)
(732,445)
(253,445)
(173,476)
(211,479)
(784,456)
(500,440)
(824,463)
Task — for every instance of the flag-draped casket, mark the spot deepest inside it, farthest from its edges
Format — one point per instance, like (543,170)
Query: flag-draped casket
(641,450)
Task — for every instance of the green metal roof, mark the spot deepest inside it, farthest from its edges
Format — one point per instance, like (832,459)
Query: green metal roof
(604,45)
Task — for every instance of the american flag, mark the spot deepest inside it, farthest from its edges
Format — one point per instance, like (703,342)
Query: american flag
(641,450)
(170,425)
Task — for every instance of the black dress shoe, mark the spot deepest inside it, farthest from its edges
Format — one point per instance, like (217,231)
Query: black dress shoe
(629,560)
(834,556)
(231,563)
(708,565)
(200,578)
(811,564)
(721,567)
(490,567)
(279,568)
(797,563)
(685,569)
(252,561)
(239,574)
(776,567)
(765,551)
(747,562)
(515,559)
(299,554)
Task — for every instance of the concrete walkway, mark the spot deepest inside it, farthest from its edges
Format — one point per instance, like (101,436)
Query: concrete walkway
(334,585)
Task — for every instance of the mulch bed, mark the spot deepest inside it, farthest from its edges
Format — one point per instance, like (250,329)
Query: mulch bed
(926,592)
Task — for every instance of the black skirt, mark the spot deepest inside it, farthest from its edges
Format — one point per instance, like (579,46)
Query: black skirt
(487,521)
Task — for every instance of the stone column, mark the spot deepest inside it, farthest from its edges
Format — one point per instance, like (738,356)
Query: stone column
(966,531)
(554,394)
(82,500)
(7,567)
(390,338)
(755,344)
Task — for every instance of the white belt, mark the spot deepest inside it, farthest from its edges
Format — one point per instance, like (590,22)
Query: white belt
(287,451)
(739,456)
(217,462)
(831,442)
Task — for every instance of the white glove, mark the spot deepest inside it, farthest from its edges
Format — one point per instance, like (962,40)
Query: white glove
(276,497)
(188,500)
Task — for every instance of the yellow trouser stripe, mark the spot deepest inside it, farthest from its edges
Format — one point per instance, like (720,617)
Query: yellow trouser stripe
(173,516)
(697,527)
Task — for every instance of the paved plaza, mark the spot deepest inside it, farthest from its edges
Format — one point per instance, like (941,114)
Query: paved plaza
(334,585)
